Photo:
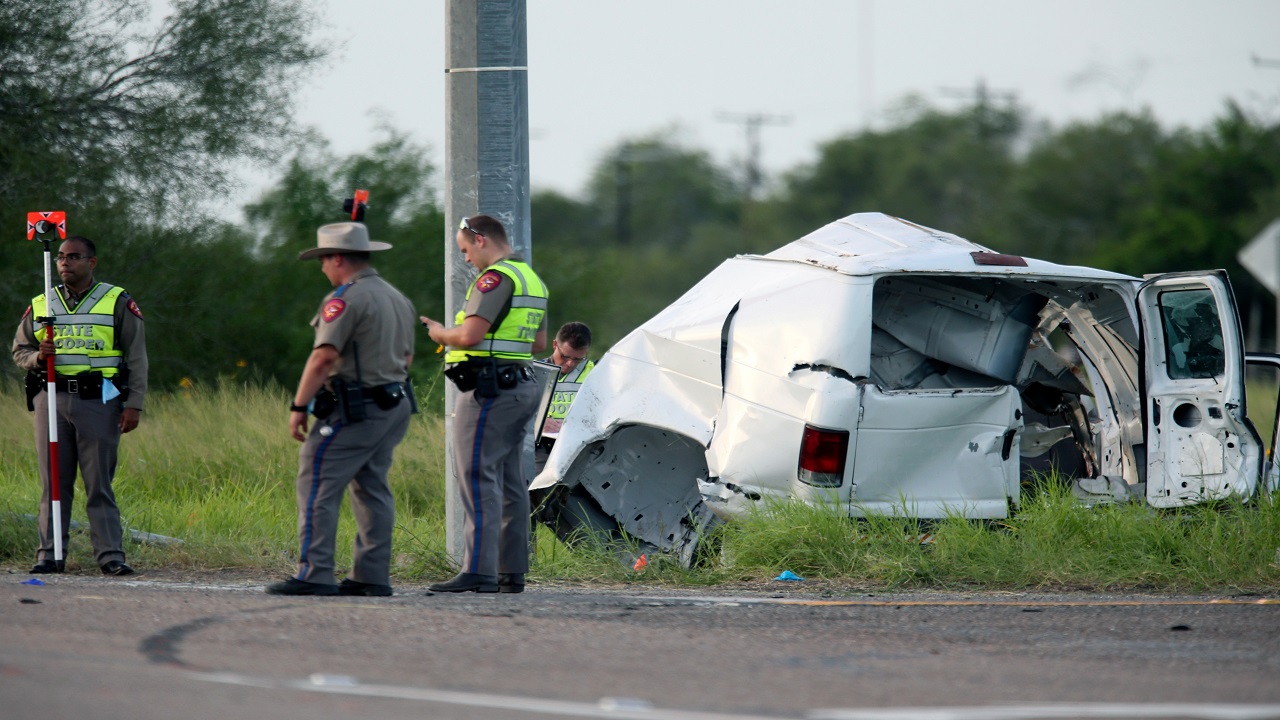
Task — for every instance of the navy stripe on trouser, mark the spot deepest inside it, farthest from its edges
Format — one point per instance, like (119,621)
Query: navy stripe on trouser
(353,462)
(474,478)
(317,462)
(488,443)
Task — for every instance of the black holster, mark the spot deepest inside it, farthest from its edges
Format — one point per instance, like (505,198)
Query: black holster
(478,374)
(324,404)
(35,382)
(487,379)
(350,400)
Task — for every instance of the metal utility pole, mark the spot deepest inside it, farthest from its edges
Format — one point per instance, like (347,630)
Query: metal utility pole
(866,61)
(486,164)
(752,123)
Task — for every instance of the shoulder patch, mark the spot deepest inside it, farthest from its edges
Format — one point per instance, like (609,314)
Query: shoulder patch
(133,308)
(488,281)
(333,309)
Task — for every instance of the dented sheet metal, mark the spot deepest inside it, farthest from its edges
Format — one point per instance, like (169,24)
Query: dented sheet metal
(880,367)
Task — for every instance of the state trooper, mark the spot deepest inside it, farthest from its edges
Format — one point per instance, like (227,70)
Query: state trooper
(569,352)
(491,345)
(356,383)
(100,362)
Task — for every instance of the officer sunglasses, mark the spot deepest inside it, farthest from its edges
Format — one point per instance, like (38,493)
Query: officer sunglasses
(567,357)
(464,225)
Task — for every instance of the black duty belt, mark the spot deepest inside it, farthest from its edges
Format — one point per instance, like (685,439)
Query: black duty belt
(86,386)
(386,396)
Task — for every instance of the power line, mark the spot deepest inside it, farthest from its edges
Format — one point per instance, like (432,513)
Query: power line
(752,122)
(983,102)
(1265,62)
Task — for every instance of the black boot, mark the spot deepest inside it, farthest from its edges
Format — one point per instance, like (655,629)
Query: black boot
(467,582)
(294,586)
(48,566)
(355,587)
(510,582)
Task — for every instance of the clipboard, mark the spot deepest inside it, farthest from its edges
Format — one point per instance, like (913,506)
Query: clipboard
(545,373)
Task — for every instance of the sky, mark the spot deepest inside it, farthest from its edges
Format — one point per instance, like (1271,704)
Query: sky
(602,71)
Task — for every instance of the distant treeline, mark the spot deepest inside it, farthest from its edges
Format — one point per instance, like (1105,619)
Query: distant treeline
(133,162)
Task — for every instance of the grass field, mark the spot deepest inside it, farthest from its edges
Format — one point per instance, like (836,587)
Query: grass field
(215,469)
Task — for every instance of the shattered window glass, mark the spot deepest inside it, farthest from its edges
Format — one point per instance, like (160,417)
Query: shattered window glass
(1192,334)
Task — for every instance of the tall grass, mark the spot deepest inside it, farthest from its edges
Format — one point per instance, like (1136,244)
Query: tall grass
(1053,541)
(215,468)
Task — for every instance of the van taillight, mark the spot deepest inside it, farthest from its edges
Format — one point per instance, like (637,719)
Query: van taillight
(822,454)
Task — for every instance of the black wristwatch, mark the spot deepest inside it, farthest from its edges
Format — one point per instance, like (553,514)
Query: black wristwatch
(297,408)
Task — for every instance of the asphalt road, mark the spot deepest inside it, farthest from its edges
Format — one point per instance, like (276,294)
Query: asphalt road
(137,649)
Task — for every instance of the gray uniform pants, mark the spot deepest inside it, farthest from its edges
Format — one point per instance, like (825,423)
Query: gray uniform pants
(488,448)
(88,437)
(358,456)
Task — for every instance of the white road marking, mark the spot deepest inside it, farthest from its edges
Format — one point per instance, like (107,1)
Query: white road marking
(1050,711)
(639,709)
(628,708)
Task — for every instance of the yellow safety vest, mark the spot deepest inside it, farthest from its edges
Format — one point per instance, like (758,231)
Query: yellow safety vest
(567,389)
(85,335)
(513,337)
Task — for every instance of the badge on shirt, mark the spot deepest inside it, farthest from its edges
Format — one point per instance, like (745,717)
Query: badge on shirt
(133,308)
(488,281)
(333,309)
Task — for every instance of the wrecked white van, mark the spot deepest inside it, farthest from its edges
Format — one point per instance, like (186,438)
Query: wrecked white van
(888,368)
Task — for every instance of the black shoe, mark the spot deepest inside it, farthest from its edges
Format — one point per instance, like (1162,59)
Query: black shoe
(115,567)
(48,566)
(510,582)
(467,582)
(355,587)
(294,586)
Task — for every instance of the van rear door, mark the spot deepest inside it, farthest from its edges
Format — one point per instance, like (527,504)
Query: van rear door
(1200,443)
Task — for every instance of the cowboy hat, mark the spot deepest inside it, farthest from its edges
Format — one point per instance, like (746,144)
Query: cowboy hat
(344,237)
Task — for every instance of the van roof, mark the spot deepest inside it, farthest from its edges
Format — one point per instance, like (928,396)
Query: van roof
(876,244)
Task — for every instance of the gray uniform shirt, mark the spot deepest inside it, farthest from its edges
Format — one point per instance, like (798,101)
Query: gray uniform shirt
(370,320)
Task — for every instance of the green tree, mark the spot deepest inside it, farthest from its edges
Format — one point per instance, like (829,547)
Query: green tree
(98,108)
(657,217)
(1077,190)
(1207,196)
(950,171)
(1212,192)
(650,190)
(402,211)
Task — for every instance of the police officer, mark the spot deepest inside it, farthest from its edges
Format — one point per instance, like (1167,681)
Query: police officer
(100,360)
(492,343)
(356,383)
(569,351)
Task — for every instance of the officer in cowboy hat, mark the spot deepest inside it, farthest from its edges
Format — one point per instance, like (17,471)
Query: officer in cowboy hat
(356,383)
